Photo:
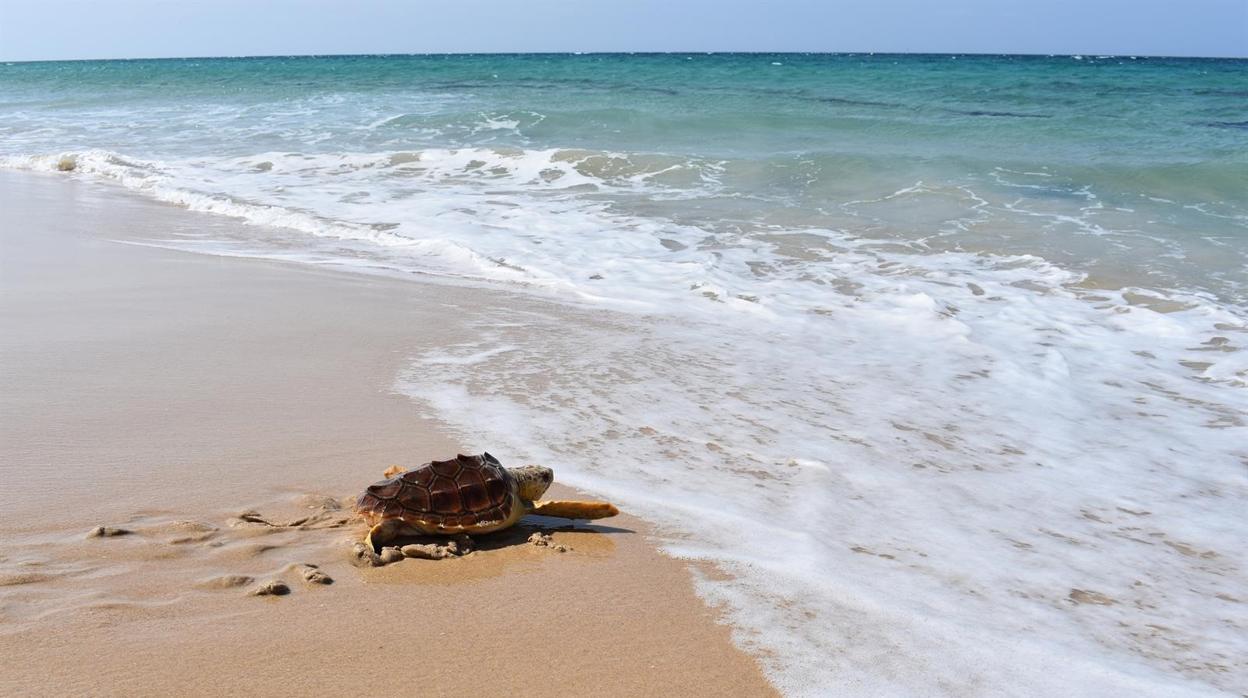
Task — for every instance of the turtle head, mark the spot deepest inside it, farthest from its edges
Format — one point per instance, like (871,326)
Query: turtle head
(533,480)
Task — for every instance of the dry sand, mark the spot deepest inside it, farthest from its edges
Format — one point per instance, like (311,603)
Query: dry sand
(165,392)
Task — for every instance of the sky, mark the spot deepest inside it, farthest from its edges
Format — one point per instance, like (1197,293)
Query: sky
(76,29)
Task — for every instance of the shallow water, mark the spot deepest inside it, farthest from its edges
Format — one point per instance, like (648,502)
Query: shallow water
(941,357)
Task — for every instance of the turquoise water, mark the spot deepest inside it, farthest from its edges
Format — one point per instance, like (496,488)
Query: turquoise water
(1140,165)
(914,347)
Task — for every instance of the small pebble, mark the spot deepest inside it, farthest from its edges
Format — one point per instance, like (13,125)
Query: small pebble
(108,532)
(314,576)
(543,540)
(390,554)
(540,539)
(273,588)
(229,581)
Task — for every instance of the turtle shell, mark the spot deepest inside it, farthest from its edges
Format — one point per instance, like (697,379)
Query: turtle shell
(464,493)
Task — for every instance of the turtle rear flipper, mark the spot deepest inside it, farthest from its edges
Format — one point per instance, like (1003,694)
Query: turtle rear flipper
(575,510)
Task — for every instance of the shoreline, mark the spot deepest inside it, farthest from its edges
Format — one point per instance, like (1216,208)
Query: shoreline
(884,55)
(166,392)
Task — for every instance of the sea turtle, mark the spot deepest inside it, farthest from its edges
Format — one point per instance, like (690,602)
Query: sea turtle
(464,495)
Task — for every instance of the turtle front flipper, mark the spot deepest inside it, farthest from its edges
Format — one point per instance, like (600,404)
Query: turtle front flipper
(575,510)
(383,533)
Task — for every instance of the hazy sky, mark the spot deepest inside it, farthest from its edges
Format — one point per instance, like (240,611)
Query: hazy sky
(61,29)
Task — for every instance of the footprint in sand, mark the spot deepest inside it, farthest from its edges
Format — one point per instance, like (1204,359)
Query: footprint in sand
(108,532)
(12,580)
(179,538)
(1084,596)
(228,581)
(183,532)
(312,574)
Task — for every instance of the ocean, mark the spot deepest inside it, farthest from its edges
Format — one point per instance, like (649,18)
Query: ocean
(938,360)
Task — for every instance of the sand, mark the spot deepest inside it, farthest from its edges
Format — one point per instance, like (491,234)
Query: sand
(162,394)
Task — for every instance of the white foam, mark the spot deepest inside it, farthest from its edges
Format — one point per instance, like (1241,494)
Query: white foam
(911,501)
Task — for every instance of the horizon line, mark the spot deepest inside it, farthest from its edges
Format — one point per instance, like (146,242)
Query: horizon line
(977,54)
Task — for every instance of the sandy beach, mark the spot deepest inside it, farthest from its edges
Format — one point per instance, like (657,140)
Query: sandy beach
(165,393)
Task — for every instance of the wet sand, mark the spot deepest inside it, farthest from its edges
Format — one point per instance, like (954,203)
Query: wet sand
(165,393)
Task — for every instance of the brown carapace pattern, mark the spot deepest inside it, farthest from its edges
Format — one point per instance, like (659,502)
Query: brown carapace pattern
(452,494)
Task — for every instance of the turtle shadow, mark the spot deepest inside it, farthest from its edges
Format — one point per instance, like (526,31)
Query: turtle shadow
(518,535)
(551,523)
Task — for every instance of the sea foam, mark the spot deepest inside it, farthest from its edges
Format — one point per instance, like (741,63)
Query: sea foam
(908,484)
